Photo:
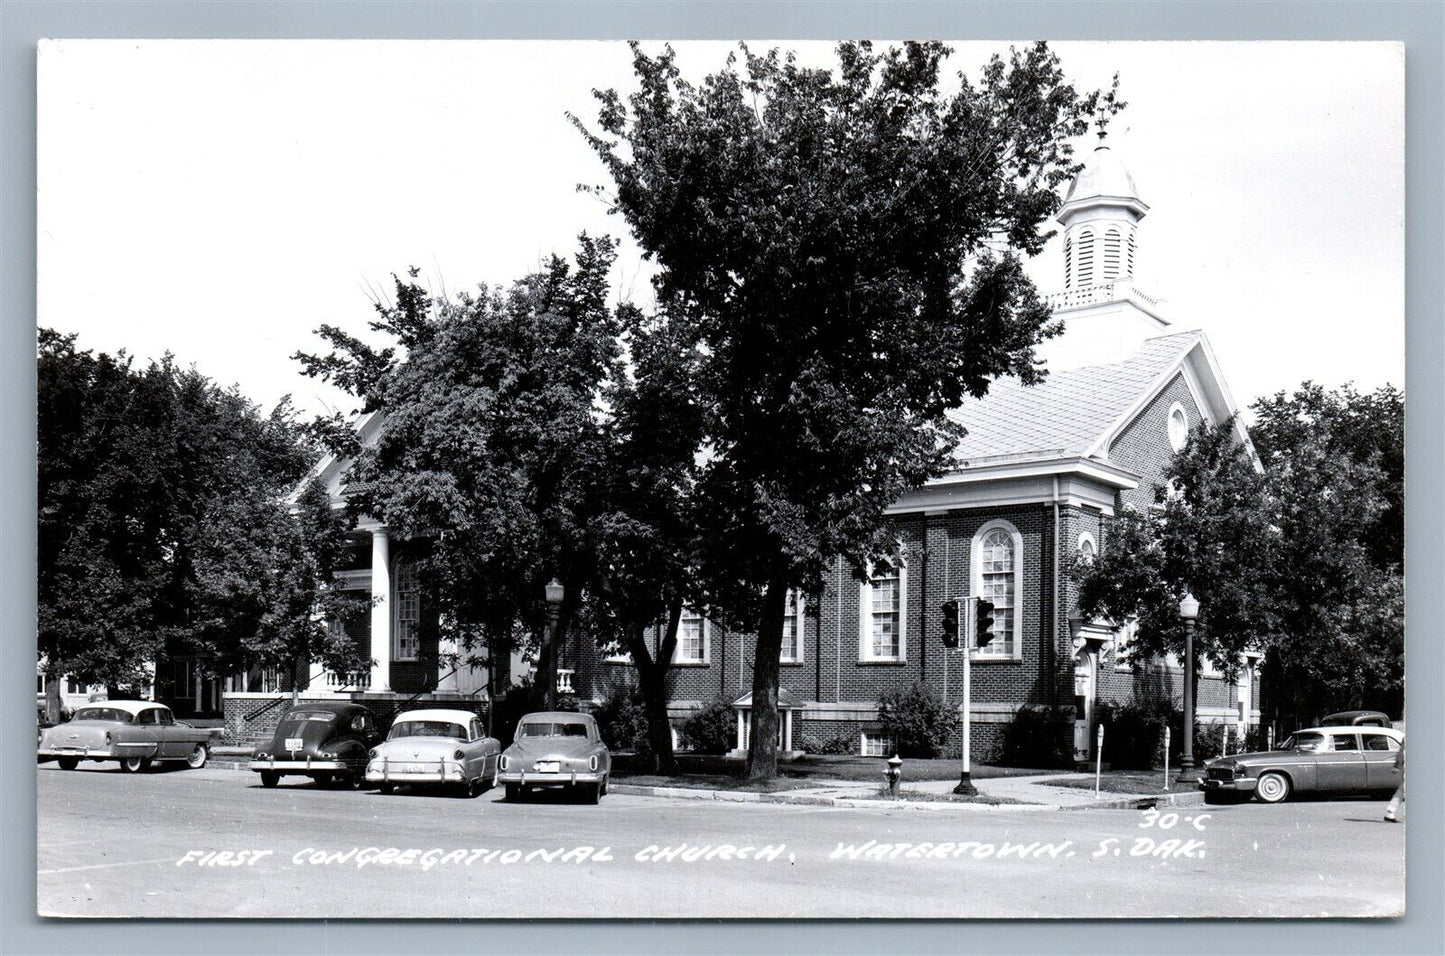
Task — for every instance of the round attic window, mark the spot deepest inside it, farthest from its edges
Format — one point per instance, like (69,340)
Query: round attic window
(1178,427)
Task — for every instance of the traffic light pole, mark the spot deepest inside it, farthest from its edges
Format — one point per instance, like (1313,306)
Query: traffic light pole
(965,785)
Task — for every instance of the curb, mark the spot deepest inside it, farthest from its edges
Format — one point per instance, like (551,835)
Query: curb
(861,803)
(1194,799)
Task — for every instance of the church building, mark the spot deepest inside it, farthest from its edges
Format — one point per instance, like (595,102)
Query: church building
(1039,471)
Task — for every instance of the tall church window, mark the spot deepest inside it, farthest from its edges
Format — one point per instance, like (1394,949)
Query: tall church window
(792,649)
(692,639)
(998,565)
(406,640)
(883,613)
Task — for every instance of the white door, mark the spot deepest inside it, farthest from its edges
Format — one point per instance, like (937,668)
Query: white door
(1083,704)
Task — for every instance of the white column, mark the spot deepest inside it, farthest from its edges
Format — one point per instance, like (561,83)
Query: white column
(448,673)
(787,730)
(380,610)
(742,716)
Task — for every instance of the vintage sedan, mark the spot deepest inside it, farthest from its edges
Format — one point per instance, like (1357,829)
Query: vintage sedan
(557,749)
(1316,760)
(133,732)
(326,741)
(441,748)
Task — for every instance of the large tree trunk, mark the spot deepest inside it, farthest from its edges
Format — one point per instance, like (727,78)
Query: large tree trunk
(763,745)
(52,693)
(652,680)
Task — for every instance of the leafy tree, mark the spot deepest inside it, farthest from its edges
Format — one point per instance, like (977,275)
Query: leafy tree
(1336,463)
(1214,536)
(839,247)
(492,444)
(140,470)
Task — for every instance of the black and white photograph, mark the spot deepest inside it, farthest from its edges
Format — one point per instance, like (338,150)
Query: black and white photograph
(757,479)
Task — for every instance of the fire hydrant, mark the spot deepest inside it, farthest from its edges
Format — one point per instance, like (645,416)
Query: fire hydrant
(894,774)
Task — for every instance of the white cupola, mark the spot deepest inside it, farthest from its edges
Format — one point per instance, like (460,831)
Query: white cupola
(1099,216)
(1104,314)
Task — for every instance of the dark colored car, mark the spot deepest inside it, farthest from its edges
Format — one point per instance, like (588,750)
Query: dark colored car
(1316,760)
(326,741)
(557,749)
(1357,718)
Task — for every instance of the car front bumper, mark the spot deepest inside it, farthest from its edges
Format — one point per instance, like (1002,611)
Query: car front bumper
(1237,785)
(415,771)
(309,765)
(562,778)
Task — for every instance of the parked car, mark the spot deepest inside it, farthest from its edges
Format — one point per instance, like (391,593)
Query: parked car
(557,749)
(1316,760)
(446,748)
(1357,718)
(133,732)
(326,741)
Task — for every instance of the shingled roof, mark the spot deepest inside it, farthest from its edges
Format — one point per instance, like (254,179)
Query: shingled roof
(1069,411)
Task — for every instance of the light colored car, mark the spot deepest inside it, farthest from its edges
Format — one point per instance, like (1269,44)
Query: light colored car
(557,749)
(443,748)
(1315,760)
(133,732)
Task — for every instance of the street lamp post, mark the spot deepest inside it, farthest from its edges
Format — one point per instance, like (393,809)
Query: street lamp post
(555,594)
(1189,611)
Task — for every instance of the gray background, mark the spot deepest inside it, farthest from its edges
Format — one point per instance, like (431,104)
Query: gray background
(1420,25)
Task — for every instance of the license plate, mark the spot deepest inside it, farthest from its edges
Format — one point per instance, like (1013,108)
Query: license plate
(548,766)
(295,743)
(415,768)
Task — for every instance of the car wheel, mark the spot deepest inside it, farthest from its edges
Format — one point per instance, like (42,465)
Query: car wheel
(196,759)
(387,788)
(514,793)
(270,778)
(591,793)
(134,764)
(603,785)
(1272,788)
(322,779)
(350,781)
(68,763)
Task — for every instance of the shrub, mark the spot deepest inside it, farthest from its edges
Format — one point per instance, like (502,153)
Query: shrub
(622,721)
(711,729)
(917,720)
(834,746)
(1037,737)
(1134,732)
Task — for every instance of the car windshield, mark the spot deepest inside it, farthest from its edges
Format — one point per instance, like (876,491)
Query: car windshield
(552,730)
(427,728)
(1307,742)
(102,713)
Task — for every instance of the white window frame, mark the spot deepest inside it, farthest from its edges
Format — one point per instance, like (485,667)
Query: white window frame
(1177,442)
(706,659)
(797,617)
(865,617)
(1086,537)
(882,744)
(399,652)
(994,652)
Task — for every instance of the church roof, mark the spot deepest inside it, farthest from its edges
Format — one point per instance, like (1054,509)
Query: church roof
(1070,411)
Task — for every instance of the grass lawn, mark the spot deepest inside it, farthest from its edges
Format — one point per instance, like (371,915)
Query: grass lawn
(1129,781)
(928,797)
(718,773)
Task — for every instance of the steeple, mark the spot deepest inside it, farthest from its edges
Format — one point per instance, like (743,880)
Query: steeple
(1099,216)
(1105,316)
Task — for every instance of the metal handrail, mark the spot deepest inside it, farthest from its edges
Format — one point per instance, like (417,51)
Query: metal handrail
(270,705)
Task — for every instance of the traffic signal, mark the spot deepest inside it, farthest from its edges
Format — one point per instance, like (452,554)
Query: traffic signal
(982,622)
(950,623)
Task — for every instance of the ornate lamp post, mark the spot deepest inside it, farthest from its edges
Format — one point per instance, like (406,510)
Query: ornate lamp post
(1189,611)
(555,594)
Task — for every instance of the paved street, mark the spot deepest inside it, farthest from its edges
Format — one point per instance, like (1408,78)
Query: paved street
(117,845)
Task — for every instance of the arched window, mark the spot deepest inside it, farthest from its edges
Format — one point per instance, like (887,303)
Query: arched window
(406,630)
(1086,258)
(1111,253)
(998,563)
(1088,548)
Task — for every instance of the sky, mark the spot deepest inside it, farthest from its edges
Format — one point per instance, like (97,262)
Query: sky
(221,199)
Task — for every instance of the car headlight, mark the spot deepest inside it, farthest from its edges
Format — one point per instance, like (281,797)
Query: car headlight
(503,761)
(371,754)
(108,739)
(459,756)
(261,755)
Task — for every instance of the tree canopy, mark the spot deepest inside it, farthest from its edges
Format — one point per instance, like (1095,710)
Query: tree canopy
(841,246)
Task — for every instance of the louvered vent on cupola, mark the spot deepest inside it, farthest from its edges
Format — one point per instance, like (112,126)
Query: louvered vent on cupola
(1130,260)
(1068,262)
(1111,254)
(1086,258)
